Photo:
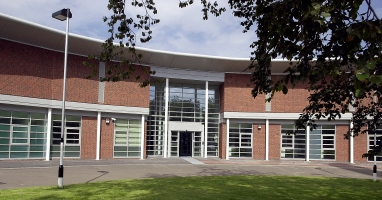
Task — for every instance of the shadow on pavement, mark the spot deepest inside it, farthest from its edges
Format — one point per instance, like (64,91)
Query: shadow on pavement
(365,170)
(209,171)
(103,173)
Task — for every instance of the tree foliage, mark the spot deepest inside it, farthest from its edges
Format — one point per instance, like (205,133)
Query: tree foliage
(333,46)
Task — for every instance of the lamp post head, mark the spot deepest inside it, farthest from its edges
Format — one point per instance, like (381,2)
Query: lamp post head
(62,14)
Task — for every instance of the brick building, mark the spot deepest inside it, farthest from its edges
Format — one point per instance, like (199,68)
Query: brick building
(195,103)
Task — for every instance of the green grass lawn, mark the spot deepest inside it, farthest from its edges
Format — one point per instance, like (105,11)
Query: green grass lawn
(210,187)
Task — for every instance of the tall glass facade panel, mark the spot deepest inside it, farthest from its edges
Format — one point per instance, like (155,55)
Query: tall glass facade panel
(155,120)
(186,104)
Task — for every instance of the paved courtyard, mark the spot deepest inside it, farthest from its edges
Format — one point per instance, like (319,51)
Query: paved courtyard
(16,174)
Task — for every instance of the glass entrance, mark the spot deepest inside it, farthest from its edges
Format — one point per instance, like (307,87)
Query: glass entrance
(185,143)
(186,104)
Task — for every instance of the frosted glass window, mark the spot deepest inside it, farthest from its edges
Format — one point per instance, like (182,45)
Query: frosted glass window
(127,138)
(21,137)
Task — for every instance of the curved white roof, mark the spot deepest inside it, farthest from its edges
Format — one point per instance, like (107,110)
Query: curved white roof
(30,33)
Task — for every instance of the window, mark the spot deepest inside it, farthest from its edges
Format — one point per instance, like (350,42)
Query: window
(292,145)
(37,137)
(378,135)
(127,138)
(72,135)
(322,142)
(22,135)
(20,128)
(186,104)
(240,140)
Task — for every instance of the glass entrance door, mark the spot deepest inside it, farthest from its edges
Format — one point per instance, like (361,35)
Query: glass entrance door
(185,143)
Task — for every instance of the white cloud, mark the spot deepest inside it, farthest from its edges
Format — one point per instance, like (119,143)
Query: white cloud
(180,30)
(184,30)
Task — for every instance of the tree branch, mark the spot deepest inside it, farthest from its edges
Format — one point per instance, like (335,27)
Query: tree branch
(371,9)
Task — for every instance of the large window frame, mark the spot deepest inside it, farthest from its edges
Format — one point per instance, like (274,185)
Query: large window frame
(23,135)
(322,143)
(72,123)
(326,149)
(186,104)
(240,140)
(370,142)
(130,130)
(56,130)
(292,145)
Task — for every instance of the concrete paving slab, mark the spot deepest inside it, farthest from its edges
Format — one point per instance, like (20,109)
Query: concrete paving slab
(16,174)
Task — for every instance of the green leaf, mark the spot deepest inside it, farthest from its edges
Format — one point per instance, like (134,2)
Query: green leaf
(325,14)
(322,22)
(362,76)
(371,65)
(279,87)
(376,79)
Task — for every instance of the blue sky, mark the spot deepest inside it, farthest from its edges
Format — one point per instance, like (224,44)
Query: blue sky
(180,30)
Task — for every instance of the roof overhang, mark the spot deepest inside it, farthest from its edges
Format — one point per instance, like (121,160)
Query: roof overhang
(30,33)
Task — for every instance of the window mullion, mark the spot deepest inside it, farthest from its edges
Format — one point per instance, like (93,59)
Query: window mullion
(127,137)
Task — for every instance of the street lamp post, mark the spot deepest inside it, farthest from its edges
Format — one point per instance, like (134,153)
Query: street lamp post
(375,144)
(62,15)
(375,157)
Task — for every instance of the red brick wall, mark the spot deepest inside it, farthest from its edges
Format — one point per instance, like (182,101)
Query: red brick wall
(258,142)
(107,139)
(342,145)
(35,66)
(128,92)
(78,89)
(237,95)
(295,101)
(222,140)
(360,147)
(274,141)
(35,72)
(89,137)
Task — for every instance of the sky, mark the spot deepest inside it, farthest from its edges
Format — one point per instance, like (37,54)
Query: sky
(180,30)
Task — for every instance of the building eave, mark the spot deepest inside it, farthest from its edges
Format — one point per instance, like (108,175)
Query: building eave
(22,31)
